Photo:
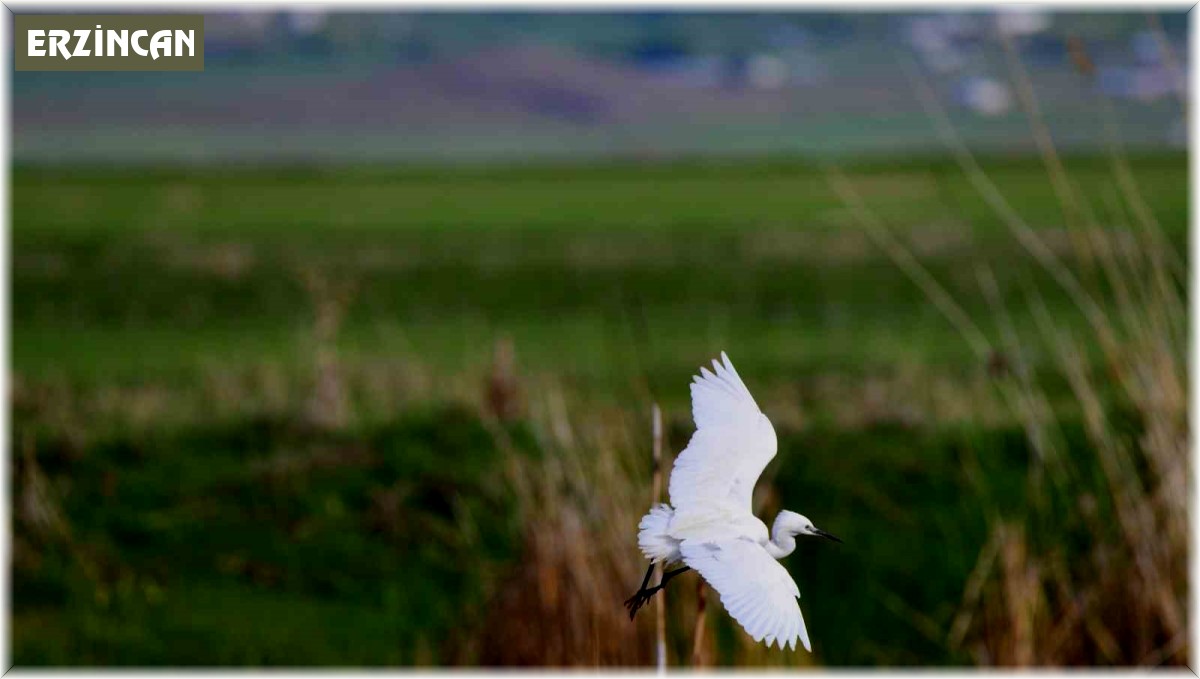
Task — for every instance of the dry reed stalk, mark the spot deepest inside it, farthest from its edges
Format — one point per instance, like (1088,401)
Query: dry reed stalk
(1076,212)
(1150,373)
(503,388)
(909,264)
(1007,214)
(1166,260)
(328,406)
(1124,601)
(1023,395)
(660,606)
(37,507)
(698,634)
(579,508)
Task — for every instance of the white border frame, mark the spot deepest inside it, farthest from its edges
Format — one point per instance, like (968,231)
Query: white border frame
(572,5)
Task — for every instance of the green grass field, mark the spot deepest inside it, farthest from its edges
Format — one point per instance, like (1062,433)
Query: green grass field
(175,505)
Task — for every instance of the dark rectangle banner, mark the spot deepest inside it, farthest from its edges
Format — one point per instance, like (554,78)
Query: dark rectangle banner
(108,42)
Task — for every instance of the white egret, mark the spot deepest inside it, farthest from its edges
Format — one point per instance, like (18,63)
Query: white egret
(710,525)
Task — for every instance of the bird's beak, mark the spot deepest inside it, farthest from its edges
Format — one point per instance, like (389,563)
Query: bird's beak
(830,536)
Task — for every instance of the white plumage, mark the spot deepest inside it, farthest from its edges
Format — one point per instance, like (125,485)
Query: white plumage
(755,589)
(710,525)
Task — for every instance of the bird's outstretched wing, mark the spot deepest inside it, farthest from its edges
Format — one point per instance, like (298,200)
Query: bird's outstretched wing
(732,445)
(755,588)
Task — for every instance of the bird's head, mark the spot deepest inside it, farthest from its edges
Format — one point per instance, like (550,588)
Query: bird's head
(799,524)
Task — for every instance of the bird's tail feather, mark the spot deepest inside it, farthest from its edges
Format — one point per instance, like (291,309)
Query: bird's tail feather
(652,534)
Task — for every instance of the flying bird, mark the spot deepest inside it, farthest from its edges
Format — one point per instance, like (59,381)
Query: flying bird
(709,524)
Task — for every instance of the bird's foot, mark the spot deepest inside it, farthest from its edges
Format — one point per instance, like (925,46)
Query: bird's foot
(639,599)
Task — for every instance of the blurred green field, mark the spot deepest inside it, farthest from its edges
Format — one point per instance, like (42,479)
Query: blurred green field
(176,506)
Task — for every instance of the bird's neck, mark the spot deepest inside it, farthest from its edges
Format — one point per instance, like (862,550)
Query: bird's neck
(781,543)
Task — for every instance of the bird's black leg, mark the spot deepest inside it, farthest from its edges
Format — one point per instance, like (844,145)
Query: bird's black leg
(643,595)
(641,590)
(670,574)
(646,580)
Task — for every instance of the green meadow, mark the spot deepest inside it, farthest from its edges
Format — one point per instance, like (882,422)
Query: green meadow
(191,490)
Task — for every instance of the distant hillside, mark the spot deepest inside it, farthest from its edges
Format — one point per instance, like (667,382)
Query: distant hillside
(276,88)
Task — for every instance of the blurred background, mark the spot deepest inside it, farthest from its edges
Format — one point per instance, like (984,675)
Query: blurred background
(343,352)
